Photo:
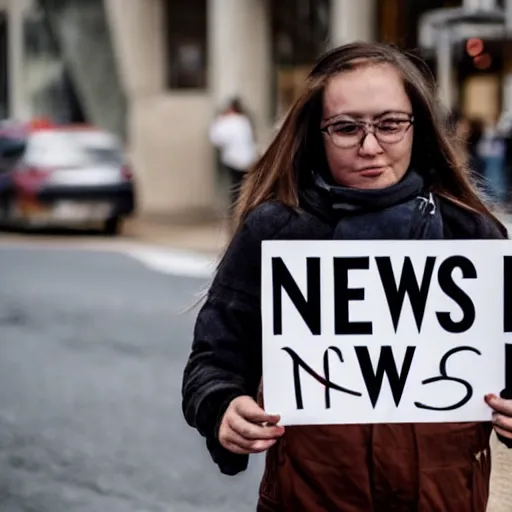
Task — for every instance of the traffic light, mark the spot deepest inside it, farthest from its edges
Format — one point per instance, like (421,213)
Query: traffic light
(475,48)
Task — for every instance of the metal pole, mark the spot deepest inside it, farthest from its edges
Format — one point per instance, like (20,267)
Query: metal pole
(508,16)
(444,68)
(507,51)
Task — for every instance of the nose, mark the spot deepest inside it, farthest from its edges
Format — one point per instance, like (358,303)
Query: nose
(370,146)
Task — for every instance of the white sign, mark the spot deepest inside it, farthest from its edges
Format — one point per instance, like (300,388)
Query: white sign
(385,331)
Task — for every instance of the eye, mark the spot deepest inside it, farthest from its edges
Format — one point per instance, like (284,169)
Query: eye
(391,124)
(345,128)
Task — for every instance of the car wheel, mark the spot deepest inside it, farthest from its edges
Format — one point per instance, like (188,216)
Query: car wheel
(112,226)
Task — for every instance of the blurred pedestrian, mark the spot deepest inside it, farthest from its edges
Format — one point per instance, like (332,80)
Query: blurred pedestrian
(232,132)
(474,136)
(459,124)
(491,150)
(362,154)
(467,133)
(505,129)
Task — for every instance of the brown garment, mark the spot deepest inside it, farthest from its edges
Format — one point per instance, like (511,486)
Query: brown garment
(379,468)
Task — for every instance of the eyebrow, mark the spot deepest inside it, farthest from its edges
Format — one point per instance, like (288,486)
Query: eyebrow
(358,115)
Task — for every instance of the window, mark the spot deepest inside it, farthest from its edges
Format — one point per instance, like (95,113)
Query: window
(300,30)
(398,20)
(300,33)
(186,28)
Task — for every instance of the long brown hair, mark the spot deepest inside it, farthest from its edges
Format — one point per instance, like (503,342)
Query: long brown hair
(297,148)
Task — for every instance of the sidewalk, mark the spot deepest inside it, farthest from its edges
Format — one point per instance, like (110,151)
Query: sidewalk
(209,236)
(205,235)
(501,478)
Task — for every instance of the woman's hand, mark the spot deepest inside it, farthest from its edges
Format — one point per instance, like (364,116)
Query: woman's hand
(502,415)
(246,428)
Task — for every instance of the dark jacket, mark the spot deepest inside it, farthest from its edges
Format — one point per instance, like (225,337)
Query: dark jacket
(226,362)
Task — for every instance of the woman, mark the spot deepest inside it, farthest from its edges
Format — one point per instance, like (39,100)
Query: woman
(357,154)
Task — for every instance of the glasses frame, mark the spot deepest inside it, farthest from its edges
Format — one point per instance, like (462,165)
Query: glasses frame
(368,127)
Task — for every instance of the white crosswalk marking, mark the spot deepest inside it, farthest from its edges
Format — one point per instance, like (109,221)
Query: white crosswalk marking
(165,260)
(182,263)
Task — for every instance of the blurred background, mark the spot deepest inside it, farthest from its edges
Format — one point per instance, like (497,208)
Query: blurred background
(106,108)
(155,73)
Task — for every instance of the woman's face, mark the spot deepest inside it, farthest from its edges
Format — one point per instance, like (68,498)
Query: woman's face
(368,94)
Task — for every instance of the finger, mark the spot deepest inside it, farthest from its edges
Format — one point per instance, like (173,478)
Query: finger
(242,451)
(263,445)
(248,445)
(502,432)
(234,441)
(253,431)
(499,404)
(235,449)
(251,411)
(503,422)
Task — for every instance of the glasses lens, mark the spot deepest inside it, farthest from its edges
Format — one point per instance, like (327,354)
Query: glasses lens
(345,134)
(392,130)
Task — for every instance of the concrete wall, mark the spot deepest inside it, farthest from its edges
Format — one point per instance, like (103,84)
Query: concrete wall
(84,39)
(137,31)
(19,106)
(240,56)
(353,20)
(171,153)
(167,130)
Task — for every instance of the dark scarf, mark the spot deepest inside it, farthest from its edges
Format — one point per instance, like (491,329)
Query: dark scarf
(403,211)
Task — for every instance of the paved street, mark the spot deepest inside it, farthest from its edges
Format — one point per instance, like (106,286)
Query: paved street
(91,354)
(92,348)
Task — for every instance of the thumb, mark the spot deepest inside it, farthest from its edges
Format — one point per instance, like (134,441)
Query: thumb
(251,411)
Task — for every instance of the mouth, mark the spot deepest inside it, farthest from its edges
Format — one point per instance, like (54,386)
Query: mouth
(372,170)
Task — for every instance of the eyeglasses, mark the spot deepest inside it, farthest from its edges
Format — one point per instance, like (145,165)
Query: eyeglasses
(388,130)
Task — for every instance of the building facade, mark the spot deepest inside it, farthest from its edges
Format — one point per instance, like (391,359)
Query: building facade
(177,74)
(157,71)
(466,43)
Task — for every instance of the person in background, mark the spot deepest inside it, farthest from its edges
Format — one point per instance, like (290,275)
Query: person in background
(232,133)
(469,133)
(474,136)
(458,124)
(505,128)
(363,154)
(492,151)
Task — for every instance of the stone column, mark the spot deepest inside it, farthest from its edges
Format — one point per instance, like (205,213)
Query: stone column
(240,55)
(138,34)
(353,20)
(444,68)
(19,107)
